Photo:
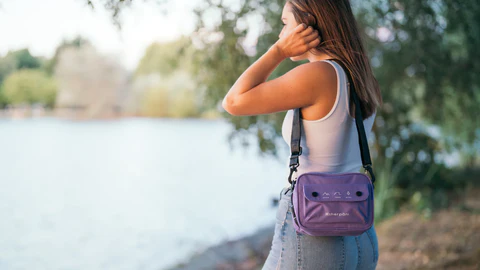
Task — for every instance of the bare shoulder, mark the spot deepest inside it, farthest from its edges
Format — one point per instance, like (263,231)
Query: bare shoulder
(316,72)
(320,77)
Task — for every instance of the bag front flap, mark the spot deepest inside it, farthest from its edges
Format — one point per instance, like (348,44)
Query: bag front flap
(336,192)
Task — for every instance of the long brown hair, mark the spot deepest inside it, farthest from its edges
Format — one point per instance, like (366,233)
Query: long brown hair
(340,39)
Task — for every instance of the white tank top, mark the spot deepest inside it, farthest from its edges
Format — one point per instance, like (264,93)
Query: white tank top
(329,144)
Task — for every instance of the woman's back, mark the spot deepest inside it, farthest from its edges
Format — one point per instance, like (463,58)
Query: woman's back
(330,144)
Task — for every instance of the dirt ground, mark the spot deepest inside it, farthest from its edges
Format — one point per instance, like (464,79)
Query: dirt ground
(449,239)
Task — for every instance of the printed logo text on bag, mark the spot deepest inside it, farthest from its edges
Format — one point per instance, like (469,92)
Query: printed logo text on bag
(337,214)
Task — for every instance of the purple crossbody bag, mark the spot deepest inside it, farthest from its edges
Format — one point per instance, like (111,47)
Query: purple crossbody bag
(326,204)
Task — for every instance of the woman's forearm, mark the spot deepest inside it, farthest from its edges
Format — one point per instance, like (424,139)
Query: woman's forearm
(257,73)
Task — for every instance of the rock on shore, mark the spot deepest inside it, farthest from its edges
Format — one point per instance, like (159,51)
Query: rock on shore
(245,253)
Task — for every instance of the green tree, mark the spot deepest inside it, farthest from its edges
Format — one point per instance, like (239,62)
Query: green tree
(28,86)
(3,99)
(25,60)
(165,58)
(155,102)
(427,65)
(8,64)
(174,95)
(166,71)
(15,60)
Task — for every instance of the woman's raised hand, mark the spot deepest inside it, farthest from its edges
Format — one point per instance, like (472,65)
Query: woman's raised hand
(298,41)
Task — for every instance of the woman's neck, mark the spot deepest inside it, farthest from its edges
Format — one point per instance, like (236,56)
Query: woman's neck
(317,57)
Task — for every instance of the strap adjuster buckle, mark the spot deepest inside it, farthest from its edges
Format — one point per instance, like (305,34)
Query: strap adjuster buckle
(367,167)
(297,154)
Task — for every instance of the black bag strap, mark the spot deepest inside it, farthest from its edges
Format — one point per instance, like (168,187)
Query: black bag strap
(296,149)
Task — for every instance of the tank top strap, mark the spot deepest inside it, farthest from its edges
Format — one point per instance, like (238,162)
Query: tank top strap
(343,104)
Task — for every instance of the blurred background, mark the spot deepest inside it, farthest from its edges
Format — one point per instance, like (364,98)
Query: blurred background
(117,154)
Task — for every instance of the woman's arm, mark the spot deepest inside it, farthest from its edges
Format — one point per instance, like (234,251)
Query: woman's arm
(258,72)
(251,95)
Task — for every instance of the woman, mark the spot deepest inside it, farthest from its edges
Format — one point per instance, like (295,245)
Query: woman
(316,30)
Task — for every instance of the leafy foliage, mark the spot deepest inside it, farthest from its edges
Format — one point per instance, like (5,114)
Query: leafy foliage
(15,60)
(28,86)
(224,49)
(427,65)
(173,95)
(166,58)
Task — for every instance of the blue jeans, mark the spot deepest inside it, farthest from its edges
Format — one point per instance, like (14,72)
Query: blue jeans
(292,250)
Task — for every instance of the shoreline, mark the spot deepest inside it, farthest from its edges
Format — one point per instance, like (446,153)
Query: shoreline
(243,253)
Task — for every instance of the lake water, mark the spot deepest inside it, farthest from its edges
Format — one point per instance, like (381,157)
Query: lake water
(127,194)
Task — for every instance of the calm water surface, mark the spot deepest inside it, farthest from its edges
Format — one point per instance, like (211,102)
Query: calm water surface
(126,194)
